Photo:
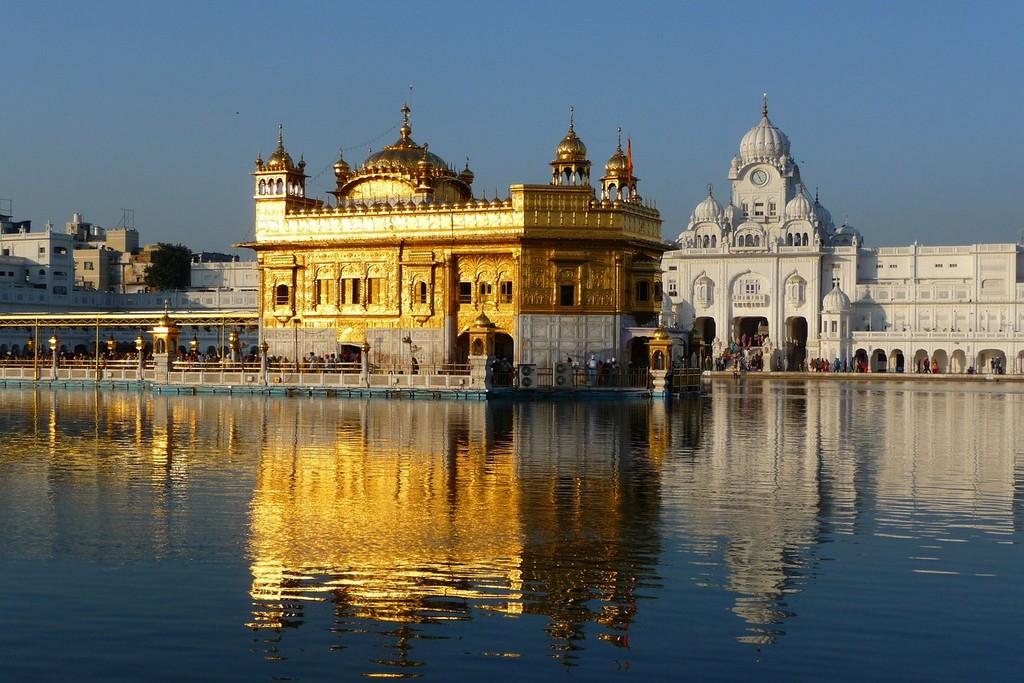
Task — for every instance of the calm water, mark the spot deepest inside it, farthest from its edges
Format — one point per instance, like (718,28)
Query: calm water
(786,532)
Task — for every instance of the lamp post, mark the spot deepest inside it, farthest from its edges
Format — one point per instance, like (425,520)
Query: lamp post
(234,344)
(111,346)
(264,362)
(364,362)
(140,345)
(193,344)
(54,345)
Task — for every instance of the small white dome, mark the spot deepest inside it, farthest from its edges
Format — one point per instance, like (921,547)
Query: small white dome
(800,206)
(835,301)
(708,210)
(823,214)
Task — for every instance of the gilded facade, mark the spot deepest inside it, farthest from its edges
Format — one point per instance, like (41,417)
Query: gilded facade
(403,257)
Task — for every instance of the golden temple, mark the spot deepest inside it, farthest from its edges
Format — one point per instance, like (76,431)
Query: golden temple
(404,259)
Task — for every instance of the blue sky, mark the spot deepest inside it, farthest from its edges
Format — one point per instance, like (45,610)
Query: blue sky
(906,117)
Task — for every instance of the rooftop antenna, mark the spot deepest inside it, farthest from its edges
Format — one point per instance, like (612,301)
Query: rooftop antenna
(127,219)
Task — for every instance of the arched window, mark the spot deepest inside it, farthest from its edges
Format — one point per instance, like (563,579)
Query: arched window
(281,297)
(280,186)
(643,290)
(789,240)
(714,241)
(422,292)
(263,187)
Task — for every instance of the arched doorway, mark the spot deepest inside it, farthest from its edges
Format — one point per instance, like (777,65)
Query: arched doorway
(796,343)
(991,361)
(702,337)
(896,360)
(921,361)
(879,361)
(504,346)
(636,352)
(942,360)
(750,331)
(860,361)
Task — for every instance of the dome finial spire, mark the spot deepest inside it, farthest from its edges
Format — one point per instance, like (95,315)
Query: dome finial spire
(570,119)
(764,107)
(710,188)
(619,146)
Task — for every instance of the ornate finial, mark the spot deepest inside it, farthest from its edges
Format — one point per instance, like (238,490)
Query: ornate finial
(406,130)
(467,163)
(815,195)
(280,135)
(620,139)
(570,119)
(710,187)
(764,108)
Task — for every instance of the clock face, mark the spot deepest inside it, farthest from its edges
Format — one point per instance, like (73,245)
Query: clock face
(759,177)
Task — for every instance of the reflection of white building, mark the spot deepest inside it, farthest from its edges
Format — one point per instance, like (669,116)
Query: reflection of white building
(773,262)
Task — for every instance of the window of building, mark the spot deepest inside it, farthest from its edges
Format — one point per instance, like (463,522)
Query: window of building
(352,290)
(465,292)
(758,209)
(567,295)
(324,291)
(88,265)
(281,297)
(506,291)
(643,290)
(486,290)
(422,291)
(751,287)
(60,289)
(372,290)
(60,250)
(745,211)
(771,209)
(657,291)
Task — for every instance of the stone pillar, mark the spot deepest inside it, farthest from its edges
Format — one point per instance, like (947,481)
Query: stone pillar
(364,364)
(659,362)
(264,362)
(481,353)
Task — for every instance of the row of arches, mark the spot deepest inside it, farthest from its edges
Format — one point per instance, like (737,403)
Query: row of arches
(278,187)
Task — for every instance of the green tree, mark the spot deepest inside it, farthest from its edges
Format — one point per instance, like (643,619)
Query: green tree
(170,267)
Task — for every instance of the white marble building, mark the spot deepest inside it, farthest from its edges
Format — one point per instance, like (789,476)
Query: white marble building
(772,265)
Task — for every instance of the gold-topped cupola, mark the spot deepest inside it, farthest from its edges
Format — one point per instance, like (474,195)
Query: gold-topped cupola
(571,166)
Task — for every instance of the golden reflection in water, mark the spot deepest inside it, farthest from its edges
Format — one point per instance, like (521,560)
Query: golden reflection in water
(419,513)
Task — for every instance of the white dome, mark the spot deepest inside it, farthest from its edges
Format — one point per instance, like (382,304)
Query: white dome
(800,206)
(764,142)
(708,210)
(835,301)
(823,214)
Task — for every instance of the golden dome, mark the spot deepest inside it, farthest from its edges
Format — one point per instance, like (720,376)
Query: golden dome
(467,176)
(618,164)
(341,167)
(571,148)
(405,155)
(280,156)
